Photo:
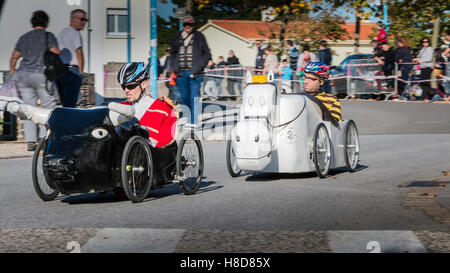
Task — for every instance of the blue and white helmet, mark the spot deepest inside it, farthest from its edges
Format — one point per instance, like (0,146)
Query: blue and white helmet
(320,69)
(132,72)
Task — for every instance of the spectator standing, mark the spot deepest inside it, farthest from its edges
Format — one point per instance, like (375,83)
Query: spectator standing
(260,57)
(165,64)
(403,55)
(286,73)
(425,59)
(325,56)
(221,65)
(189,55)
(233,80)
(293,59)
(306,57)
(446,39)
(376,48)
(31,79)
(271,63)
(71,46)
(381,35)
(442,69)
(386,59)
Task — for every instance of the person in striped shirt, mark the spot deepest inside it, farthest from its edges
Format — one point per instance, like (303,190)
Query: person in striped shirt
(314,76)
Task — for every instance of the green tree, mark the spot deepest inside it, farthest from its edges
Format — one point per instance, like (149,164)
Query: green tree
(415,19)
(166,31)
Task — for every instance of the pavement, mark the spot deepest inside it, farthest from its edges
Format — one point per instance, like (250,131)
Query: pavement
(148,240)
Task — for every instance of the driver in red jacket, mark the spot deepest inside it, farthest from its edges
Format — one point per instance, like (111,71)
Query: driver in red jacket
(158,116)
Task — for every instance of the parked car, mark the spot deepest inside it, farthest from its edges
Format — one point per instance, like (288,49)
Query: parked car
(354,80)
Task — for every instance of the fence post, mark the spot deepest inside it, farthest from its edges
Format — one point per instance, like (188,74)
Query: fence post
(396,77)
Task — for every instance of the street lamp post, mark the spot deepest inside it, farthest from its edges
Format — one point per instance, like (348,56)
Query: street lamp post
(180,13)
(153,50)
(385,14)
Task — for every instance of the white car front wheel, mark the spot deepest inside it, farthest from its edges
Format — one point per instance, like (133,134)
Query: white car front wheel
(322,150)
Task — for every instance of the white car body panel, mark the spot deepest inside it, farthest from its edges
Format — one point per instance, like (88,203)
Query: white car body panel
(274,137)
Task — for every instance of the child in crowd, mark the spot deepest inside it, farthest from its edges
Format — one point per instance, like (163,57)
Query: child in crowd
(286,72)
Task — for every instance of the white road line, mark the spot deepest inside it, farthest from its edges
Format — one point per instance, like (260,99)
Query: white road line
(123,240)
(374,241)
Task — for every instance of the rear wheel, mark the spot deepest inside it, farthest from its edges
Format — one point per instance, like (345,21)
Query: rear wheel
(351,146)
(322,151)
(232,166)
(41,186)
(137,169)
(190,163)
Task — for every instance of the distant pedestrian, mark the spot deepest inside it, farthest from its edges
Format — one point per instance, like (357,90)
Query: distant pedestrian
(325,56)
(381,35)
(31,79)
(221,65)
(271,63)
(71,46)
(404,58)
(234,73)
(260,57)
(165,67)
(286,72)
(306,57)
(442,71)
(189,53)
(425,60)
(386,59)
(446,39)
(293,59)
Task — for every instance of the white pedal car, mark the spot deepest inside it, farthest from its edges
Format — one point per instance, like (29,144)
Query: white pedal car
(288,133)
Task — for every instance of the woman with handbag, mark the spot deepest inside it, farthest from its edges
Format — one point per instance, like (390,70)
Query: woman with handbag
(31,47)
(425,60)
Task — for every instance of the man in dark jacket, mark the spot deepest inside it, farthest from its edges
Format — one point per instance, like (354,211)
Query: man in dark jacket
(260,57)
(325,56)
(189,55)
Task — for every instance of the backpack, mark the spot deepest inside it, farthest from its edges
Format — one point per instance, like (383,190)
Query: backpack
(54,67)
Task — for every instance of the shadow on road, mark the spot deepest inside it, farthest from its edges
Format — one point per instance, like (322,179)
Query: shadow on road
(267,177)
(111,197)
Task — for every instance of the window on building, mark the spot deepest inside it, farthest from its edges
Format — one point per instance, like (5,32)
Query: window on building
(116,22)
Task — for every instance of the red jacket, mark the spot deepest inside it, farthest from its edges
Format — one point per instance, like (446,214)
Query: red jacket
(159,117)
(382,36)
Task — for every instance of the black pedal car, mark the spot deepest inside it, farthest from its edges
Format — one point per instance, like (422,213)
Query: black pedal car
(85,151)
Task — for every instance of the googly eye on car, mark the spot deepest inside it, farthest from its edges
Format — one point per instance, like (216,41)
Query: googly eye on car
(99,133)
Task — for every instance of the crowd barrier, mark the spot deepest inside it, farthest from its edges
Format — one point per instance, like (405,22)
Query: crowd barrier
(357,78)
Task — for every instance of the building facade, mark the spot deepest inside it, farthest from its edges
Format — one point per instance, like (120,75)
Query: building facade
(104,37)
(240,35)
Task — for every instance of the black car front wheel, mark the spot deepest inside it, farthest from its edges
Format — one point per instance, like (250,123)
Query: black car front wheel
(137,169)
(40,183)
(190,163)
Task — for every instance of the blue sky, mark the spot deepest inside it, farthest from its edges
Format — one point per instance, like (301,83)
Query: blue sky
(165,10)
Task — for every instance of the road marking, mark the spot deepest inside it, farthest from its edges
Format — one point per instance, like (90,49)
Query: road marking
(124,240)
(373,241)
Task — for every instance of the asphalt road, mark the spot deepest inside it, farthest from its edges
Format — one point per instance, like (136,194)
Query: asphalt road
(400,143)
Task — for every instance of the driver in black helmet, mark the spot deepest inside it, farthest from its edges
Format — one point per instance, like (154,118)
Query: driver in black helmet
(158,116)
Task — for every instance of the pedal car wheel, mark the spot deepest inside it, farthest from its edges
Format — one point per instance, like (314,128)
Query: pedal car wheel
(322,151)
(190,163)
(351,146)
(41,186)
(232,166)
(137,169)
